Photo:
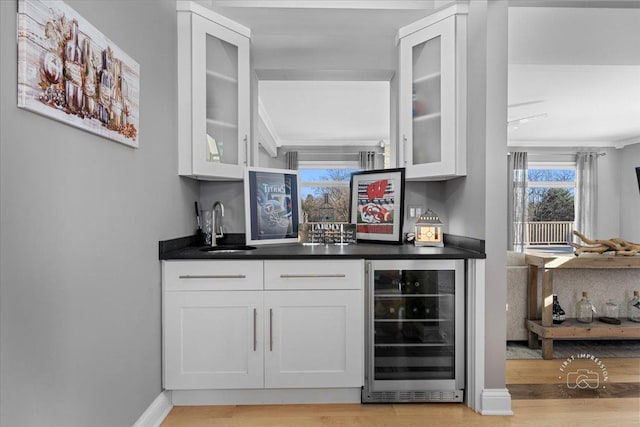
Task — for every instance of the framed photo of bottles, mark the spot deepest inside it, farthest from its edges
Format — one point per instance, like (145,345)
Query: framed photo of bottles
(70,72)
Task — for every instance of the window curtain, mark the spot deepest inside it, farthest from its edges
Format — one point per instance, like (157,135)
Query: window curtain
(586,197)
(367,160)
(517,201)
(291,160)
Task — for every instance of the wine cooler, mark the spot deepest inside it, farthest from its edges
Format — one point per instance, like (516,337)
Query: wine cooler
(414,331)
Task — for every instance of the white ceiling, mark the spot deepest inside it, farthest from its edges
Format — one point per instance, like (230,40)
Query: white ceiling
(327,113)
(577,70)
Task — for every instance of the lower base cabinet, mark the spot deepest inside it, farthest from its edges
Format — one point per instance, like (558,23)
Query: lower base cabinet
(211,339)
(215,337)
(314,339)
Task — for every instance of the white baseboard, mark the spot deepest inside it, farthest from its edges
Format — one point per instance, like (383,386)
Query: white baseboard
(265,396)
(156,412)
(496,401)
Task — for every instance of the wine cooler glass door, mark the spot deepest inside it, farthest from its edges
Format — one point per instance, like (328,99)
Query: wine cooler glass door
(415,325)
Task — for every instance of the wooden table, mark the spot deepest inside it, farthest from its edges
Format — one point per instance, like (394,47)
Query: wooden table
(541,264)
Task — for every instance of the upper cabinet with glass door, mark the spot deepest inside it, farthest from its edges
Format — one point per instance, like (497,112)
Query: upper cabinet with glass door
(213,93)
(432,96)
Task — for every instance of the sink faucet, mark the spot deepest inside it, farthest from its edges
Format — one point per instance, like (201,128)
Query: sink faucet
(216,226)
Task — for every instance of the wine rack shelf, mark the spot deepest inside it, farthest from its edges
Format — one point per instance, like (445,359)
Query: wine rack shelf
(543,328)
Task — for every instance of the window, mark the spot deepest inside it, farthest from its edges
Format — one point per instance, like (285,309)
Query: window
(551,193)
(550,205)
(325,194)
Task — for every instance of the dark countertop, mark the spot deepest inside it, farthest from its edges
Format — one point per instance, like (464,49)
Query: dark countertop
(186,248)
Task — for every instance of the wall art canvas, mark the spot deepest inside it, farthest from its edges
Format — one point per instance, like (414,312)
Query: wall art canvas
(377,205)
(272,205)
(69,71)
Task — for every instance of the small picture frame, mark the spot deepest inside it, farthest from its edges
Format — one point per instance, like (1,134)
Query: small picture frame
(376,205)
(272,205)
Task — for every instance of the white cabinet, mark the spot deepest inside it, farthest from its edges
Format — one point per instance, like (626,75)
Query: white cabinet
(213,94)
(315,336)
(211,340)
(211,335)
(263,324)
(432,96)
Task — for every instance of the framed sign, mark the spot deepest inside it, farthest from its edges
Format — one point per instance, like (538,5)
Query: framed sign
(377,205)
(69,71)
(272,205)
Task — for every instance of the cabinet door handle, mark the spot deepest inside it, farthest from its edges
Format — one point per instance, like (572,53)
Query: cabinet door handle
(307,276)
(255,315)
(270,329)
(214,276)
(246,150)
(404,145)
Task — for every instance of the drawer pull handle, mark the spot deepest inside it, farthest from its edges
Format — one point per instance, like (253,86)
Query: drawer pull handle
(307,276)
(214,276)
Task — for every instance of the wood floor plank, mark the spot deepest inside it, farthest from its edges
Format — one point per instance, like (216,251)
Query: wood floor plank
(539,379)
(619,370)
(549,412)
(561,391)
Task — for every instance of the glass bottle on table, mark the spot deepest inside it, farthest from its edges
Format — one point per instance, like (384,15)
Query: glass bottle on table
(558,314)
(633,308)
(611,309)
(584,309)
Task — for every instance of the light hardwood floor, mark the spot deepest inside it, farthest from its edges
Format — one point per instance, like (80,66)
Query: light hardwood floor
(594,410)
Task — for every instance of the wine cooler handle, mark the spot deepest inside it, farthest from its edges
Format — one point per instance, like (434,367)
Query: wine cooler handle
(246,150)
(255,315)
(404,146)
(270,329)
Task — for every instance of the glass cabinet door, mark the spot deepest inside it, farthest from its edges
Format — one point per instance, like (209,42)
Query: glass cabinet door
(219,100)
(222,101)
(427,102)
(432,110)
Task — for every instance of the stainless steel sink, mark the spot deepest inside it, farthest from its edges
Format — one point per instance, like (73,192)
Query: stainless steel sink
(228,248)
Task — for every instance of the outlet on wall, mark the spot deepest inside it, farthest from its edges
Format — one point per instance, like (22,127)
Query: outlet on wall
(415,211)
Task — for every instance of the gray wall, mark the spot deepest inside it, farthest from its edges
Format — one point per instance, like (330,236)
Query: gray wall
(629,193)
(477,203)
(81,217)
(231,194)
(607,218)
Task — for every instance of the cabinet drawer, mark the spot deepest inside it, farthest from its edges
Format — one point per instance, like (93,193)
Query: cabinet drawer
(225,275)
(329,274)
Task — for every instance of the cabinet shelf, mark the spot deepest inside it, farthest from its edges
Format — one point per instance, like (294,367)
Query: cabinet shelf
(426,117)
(412,320)
(417,344)
(411,295)
(220,76)
(222,124)
(426,78)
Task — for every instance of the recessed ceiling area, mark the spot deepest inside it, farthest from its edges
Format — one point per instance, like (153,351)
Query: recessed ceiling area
(574,76)
(326,113)
(574,72)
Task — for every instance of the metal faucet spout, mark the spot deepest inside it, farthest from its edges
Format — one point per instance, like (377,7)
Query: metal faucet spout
(216,226)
